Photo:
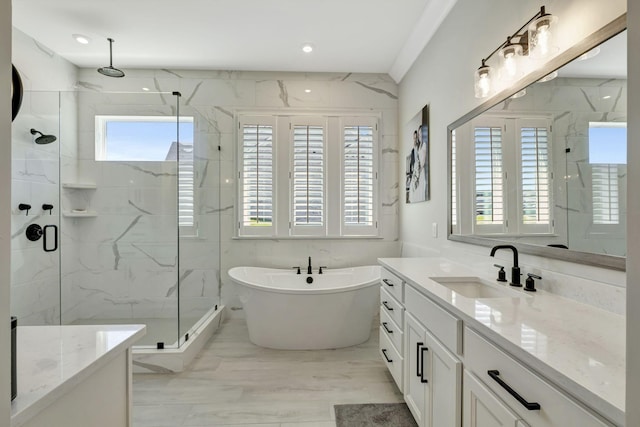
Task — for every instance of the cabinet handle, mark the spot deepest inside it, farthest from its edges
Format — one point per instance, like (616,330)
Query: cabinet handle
(384,352)
(418,364)
(384,325)
(388,283)
(532,406)
(422,378)
(386,305)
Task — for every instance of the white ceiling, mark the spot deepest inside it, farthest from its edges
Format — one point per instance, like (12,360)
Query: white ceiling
(375,36)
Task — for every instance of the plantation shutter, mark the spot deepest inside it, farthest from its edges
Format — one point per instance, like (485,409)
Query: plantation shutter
(308,201)
(489,197)
(257,178)
(358,175)
(186,214)
(535,174)
(605,193)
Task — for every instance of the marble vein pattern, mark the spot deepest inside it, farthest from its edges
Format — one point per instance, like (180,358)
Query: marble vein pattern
(378,90)
(233,382)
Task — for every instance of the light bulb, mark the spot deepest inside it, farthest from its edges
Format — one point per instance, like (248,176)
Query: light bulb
(485,84)
(543,40)
(510,65)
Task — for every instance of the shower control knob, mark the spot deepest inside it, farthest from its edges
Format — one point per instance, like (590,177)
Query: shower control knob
(34,232)
(47,207)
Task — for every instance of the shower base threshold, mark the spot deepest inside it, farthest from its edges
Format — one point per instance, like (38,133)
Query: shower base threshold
(148,360)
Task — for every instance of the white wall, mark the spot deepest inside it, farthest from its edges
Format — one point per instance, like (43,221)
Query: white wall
(5,211)
(442,76)
(633,230)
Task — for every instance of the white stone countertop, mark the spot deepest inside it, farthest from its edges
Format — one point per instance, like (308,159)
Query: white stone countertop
(52,360)
(575,346)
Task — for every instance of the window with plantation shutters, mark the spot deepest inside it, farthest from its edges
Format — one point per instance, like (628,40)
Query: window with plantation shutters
(307,177)
(256,175)
(358,177)
(186,183)
(489,203)
(535,177)
(605,194)
(304,175)
(608,161)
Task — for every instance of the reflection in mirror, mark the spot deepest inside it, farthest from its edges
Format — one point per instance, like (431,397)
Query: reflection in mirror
(547,166)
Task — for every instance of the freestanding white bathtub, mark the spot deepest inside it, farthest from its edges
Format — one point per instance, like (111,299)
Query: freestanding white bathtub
(284,312)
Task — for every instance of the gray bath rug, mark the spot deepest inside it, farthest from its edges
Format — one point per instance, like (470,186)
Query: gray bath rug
(374,414)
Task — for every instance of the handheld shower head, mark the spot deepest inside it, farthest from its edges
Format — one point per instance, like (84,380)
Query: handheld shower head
(110,71)
(43,139)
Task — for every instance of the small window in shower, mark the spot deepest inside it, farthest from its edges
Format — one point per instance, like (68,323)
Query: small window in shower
(142,138)
(153,139)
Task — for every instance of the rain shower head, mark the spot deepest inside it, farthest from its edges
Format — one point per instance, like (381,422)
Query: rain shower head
(110,71)
(43,139)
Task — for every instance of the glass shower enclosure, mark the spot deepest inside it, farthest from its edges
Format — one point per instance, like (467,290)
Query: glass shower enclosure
(132,232)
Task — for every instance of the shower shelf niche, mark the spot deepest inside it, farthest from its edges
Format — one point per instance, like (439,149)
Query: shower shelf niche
(79,186)
(85,214)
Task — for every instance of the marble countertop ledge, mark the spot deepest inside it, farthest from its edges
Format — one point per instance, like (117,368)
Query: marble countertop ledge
(52,360)
(577,347)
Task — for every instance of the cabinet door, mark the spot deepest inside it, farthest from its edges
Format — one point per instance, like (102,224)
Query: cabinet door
(414,377)
(483,409)
(444,389)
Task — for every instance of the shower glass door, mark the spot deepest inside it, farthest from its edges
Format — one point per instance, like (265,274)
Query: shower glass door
(119,259)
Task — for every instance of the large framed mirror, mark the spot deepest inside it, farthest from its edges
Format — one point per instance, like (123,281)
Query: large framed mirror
(542,165)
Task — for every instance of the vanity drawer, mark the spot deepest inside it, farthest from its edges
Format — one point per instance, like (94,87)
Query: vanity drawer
(391,283)
(391,358)
(556,408)
(392,307)
(392,330)
(446,327)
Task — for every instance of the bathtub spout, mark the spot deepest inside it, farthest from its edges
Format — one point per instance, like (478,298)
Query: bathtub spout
(309,267)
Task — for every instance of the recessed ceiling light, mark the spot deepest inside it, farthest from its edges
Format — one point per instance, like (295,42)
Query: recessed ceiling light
(146,89)
(307,48)
(307,90)
(81,39)
(606,97)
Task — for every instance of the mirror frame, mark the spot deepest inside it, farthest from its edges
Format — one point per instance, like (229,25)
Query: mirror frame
(607,261)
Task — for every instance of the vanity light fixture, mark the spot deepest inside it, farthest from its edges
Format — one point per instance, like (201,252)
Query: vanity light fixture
(535,39)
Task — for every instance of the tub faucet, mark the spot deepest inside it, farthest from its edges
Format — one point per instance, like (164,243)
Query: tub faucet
(309,267)
(515,270)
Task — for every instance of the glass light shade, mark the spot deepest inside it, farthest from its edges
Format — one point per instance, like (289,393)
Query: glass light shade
(483,81)
(542,36)
(510,62)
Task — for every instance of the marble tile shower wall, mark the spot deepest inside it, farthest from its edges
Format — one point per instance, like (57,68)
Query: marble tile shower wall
(123,263)
(216,97)
(35,293)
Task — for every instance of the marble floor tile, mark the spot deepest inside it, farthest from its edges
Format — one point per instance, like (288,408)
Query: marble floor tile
(235,383)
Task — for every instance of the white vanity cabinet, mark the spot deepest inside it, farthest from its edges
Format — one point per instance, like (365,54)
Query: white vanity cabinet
(433,378)
(391,324)
(483,409)
(508,384)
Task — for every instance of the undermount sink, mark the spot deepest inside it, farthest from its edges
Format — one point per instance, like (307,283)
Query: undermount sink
(474,287)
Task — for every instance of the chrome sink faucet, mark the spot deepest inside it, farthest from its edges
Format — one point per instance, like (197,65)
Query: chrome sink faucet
(515,270)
